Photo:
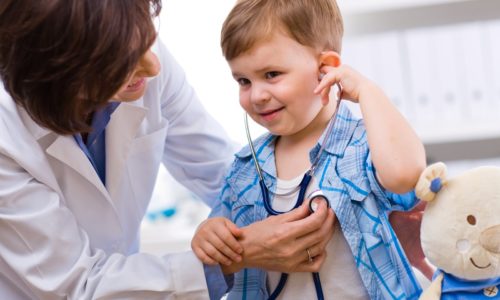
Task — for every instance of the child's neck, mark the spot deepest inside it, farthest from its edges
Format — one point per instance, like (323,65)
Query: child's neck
(292,151)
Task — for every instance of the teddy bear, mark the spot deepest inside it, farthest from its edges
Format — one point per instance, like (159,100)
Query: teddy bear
(460,232)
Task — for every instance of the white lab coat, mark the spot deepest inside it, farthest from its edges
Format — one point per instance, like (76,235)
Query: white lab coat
(64,235)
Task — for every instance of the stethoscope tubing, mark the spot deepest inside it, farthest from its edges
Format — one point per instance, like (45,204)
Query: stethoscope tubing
(303,187)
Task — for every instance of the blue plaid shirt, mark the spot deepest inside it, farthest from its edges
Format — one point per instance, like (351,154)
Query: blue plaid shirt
(346,175)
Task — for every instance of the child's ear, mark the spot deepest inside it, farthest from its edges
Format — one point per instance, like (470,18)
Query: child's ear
(329,58)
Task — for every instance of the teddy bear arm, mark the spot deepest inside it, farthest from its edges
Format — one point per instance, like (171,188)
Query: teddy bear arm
(433,292)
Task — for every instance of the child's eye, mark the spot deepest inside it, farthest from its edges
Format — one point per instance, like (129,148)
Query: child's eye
(242,81)
(272,74)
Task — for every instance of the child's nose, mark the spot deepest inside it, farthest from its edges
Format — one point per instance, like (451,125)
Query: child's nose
(259,94)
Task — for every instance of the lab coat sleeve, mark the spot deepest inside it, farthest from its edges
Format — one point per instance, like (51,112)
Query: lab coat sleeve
(45,253)
(197,149)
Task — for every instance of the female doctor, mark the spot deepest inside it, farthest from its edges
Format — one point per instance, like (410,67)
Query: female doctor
(87,113)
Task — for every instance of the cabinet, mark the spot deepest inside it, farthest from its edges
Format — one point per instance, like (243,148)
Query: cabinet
(439,62)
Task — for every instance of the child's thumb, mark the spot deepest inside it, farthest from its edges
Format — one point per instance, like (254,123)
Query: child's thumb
(235,230)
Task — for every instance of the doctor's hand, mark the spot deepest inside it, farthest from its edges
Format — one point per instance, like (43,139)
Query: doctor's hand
(215,242)
(283,243)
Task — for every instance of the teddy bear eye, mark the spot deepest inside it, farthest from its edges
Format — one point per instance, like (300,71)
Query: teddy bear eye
(471,219)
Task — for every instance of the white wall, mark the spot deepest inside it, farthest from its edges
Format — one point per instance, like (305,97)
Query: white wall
(191,30)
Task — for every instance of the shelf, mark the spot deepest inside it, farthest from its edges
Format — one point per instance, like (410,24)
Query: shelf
(367,17)
(352,7)
(463,150)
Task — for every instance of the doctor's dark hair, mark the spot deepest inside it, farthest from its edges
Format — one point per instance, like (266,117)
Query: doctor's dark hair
(62,59)
(313,23)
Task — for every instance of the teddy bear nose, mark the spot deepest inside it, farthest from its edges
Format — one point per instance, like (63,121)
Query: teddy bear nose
(490,239)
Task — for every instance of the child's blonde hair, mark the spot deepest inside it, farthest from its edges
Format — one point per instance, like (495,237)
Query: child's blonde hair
(313,23)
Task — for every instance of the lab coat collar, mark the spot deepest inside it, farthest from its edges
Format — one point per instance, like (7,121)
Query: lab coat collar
(120,132)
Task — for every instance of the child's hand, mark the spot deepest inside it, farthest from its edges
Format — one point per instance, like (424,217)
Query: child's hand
(352,82)
(215,242)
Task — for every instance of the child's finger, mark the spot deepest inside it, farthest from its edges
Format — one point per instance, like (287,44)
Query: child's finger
(330,78)
(228,245)
(325,96)
(216,255)
(232,235)
(235,230)
(203,256)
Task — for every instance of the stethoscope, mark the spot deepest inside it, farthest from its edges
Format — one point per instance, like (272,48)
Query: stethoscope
(317,195)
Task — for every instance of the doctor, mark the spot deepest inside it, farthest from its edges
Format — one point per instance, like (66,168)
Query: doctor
(87,113)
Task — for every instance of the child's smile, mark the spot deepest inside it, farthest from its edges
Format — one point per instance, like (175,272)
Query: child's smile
(270,115)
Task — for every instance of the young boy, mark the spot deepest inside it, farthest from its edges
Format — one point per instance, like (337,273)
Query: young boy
(285,55)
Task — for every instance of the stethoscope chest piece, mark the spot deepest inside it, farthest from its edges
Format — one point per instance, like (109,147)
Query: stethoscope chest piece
(315,198)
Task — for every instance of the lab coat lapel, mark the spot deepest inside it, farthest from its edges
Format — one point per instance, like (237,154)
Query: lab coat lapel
(36,162)
(122,129)
(66,150)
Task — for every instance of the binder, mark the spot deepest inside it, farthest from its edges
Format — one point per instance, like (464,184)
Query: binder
(391,70)
(492,30)
(356,54)
(422,85)
(449,82)
(472,48)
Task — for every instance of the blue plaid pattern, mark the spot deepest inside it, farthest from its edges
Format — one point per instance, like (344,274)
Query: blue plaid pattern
(347,177)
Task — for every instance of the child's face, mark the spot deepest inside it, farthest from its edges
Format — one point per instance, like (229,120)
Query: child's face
(277,78)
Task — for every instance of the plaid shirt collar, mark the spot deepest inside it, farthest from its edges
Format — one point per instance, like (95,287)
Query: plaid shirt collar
(340,137)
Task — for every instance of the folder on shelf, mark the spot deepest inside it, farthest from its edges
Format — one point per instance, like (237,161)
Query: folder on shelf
(356,53)
(472,47)
(390,70)
(422,81)
(450,96)
(492,29)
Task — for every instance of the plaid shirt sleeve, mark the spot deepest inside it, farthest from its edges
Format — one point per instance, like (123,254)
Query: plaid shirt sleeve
(390,201)
(217,283)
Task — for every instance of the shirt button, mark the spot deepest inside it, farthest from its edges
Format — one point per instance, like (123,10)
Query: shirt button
(491,291)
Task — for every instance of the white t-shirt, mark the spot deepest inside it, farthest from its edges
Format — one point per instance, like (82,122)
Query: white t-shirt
(340,278)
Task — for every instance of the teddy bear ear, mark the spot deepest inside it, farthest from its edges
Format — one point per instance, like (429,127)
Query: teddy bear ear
(431,181)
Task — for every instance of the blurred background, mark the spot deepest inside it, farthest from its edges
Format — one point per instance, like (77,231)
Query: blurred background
(438,60)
